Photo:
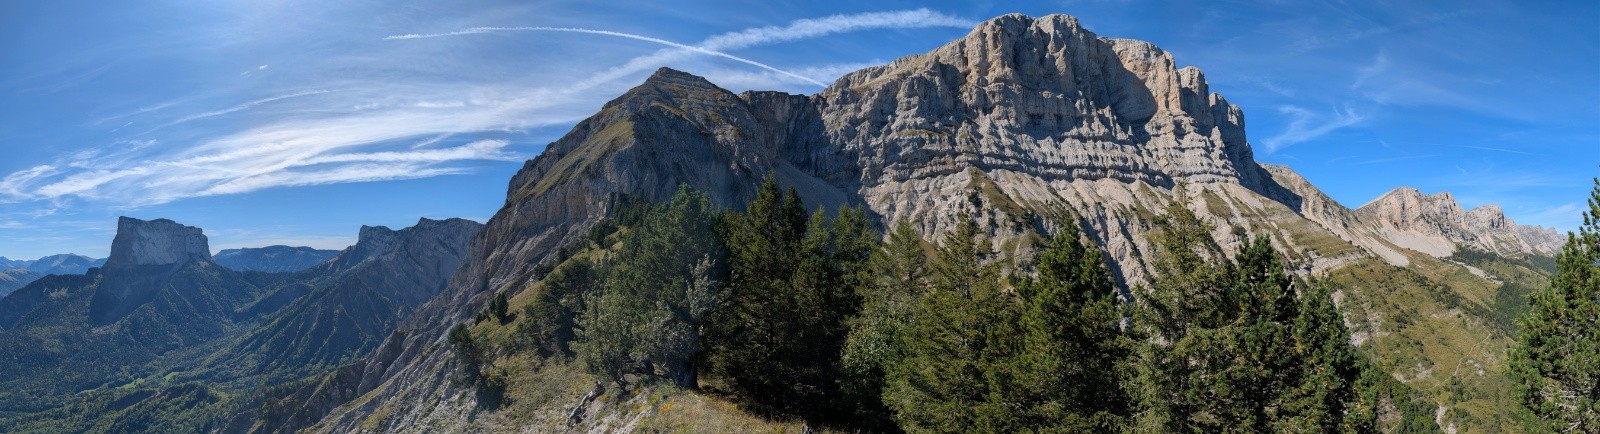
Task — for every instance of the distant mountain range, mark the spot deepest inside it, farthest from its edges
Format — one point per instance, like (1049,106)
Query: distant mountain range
(272,259)
(161,328)
(66,263)
(16,273)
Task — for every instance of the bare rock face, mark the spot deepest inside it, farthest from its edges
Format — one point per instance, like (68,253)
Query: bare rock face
(1435,224)
(1044,96)
(1542,238)
(1038,102)
(156,242)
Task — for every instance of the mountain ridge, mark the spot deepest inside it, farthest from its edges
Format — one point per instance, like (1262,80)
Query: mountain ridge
(278,258)
(1024,125)
(113,340)
(1436,224)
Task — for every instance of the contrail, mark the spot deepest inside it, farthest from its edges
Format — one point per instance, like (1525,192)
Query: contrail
(242,107)
(815,27)
(476,30)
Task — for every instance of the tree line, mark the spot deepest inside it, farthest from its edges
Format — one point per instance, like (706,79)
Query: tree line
(821,317)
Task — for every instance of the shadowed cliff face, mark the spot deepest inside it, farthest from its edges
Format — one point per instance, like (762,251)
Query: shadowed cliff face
(1024,125)
(156,242)
(145,258)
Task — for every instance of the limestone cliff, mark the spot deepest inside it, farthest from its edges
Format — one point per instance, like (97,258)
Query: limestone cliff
(156,242)
(1437,225)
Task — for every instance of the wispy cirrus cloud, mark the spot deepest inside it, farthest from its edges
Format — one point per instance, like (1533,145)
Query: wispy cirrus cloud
(717,45)
(817,27)
(14,186)
(696,49)
(242,107)
(397,124)
(738,78)
(1306,125)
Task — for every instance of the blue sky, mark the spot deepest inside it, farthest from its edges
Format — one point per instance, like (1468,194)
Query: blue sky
(296,122)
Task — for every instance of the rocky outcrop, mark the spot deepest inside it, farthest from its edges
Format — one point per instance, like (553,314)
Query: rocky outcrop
(1042,96)
(1542,239)
(272,259)
(1437,225)
(156,242)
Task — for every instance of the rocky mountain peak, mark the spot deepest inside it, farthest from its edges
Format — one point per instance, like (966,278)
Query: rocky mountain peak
(375,242)
(668,77)
(374,235)
(1488,216)
(371,242)
(1436,224)
(157,242)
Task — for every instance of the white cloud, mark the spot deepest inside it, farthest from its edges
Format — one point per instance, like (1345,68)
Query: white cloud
(240,107)
(709,52)
(1306,125)
(1379,65)
(738,79)
(844,23)
(394,126)
(12,187)
(716,45)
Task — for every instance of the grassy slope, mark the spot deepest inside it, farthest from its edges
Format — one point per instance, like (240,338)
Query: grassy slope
(1435,326)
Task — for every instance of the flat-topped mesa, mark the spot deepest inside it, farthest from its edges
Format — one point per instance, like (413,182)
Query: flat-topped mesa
(156,242)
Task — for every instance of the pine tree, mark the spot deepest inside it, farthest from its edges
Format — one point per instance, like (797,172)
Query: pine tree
(1071,343)
(744,337)
(777,339)
(1556,362)
(665,278)
(940,384)
(1325,397)
(1183,298)
(499,306)
(898,275)
(1235,347)
(550,321)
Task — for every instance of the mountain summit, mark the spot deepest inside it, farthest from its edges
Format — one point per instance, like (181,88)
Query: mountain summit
(1437,225)
(157,242)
